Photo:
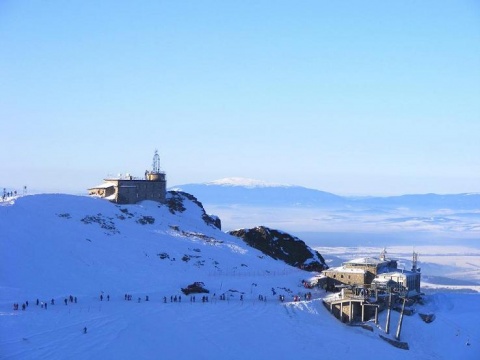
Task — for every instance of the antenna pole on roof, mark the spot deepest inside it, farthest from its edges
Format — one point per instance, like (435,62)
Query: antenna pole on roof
(414,261)
(156,163)
(383,254)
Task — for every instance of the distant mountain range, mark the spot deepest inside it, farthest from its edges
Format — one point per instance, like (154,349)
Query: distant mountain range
(240,191)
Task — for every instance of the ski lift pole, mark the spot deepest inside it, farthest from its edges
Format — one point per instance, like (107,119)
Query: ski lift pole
(387,326)
(399,327)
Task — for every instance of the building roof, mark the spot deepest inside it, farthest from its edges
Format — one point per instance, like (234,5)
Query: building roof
(346,269)
(102,186)
(365,261)
(397,274)
(381,280)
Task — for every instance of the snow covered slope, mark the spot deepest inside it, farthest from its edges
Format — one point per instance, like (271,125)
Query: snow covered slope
(54,246)
(77,244)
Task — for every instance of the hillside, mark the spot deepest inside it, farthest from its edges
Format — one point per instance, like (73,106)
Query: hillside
(54,246)
(92,233)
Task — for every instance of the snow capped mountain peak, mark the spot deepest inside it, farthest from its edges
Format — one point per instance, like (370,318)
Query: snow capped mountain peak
(244,182)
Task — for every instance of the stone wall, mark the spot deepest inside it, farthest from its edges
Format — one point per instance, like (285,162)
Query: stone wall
(345,277)
(133,191)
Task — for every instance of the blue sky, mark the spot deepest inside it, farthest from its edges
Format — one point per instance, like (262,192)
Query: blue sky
(351,97)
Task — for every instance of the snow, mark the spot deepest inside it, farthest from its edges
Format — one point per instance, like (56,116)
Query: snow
(244,182)
(365,261)
(348,269)
(53,246)
(103,186)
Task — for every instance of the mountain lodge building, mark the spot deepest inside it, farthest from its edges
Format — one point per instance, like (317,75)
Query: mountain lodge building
(130,190)
(372,272)
(365,284)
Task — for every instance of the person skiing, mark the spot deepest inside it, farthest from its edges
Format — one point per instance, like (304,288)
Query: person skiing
(85,330)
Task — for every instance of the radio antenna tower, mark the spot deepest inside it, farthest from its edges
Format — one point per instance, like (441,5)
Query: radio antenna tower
(414,261)
(156,163)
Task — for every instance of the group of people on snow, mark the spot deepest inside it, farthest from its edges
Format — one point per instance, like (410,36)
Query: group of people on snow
(8,194)
(72,299)
(173,298)
(15,306)
(44,304)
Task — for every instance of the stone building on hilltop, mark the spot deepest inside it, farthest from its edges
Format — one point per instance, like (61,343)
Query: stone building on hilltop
(366,285)
(360,271)
(127,189)
(380,273)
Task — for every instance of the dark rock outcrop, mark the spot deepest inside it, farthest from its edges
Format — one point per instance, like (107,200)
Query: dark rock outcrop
(282,246)
(174,201)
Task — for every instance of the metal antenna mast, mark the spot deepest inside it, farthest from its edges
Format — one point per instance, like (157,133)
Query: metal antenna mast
(156,163)
(414,261)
